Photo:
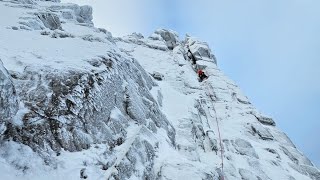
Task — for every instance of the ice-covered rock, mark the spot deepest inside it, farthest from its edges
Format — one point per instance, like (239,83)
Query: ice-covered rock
(141,151)
(245,148)
(50,0)
(85,14)
(295,156)
(83,174)
(263,119)
(170,37)
(137,35)
(58,34)
(50,20)
(76,98)
(25,1)
(157,76)
(80,14)
(310,170)
(8,97)
(248,175)
(262,132)
(139,40)
(266,120)
(32,23)
(199,50)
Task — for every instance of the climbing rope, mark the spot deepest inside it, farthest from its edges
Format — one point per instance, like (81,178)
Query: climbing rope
(209,87)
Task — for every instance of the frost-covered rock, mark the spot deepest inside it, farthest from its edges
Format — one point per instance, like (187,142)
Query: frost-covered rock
(248,175)
(85,14)
(32,23)
(295,156)
(137,35)
(50,0)
(139,40)
(142,152)
(83,174)
(263,119)
(212,141)
(266,120)
(157,76)
(77,98)
(50,20)
(25,1)
(8,97)
(262,132)
(80,14)
(58,34)
(170,37)
(311,171)
(200,50)
(245,148)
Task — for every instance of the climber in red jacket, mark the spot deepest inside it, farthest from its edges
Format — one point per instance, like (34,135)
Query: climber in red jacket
(202,75)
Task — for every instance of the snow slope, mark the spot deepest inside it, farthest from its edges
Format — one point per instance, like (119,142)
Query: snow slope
(83,104)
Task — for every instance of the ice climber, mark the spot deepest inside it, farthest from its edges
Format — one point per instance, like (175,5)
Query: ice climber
(202,75)
(191,56)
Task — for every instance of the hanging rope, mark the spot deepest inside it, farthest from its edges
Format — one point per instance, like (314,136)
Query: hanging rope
(209,87)
(208,92)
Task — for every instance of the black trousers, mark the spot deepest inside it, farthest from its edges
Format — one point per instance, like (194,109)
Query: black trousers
(202,76)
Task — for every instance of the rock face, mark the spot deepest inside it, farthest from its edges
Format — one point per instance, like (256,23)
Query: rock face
(169,36)
(245,148)
(8,97)
(157,76)
(79,103)
(33,1)
(25,1)
(73,117)
(80,14)
(199,50)
(50,0)
(85,14)
(50,20)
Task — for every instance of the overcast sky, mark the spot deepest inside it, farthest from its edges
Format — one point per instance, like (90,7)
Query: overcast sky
(270,48)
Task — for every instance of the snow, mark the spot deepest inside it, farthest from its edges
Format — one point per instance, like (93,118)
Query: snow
(17,119)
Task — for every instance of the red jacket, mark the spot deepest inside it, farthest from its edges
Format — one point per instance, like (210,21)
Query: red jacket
(200,72)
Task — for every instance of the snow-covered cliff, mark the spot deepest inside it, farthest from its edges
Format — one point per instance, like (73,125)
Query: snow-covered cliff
(79,103)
